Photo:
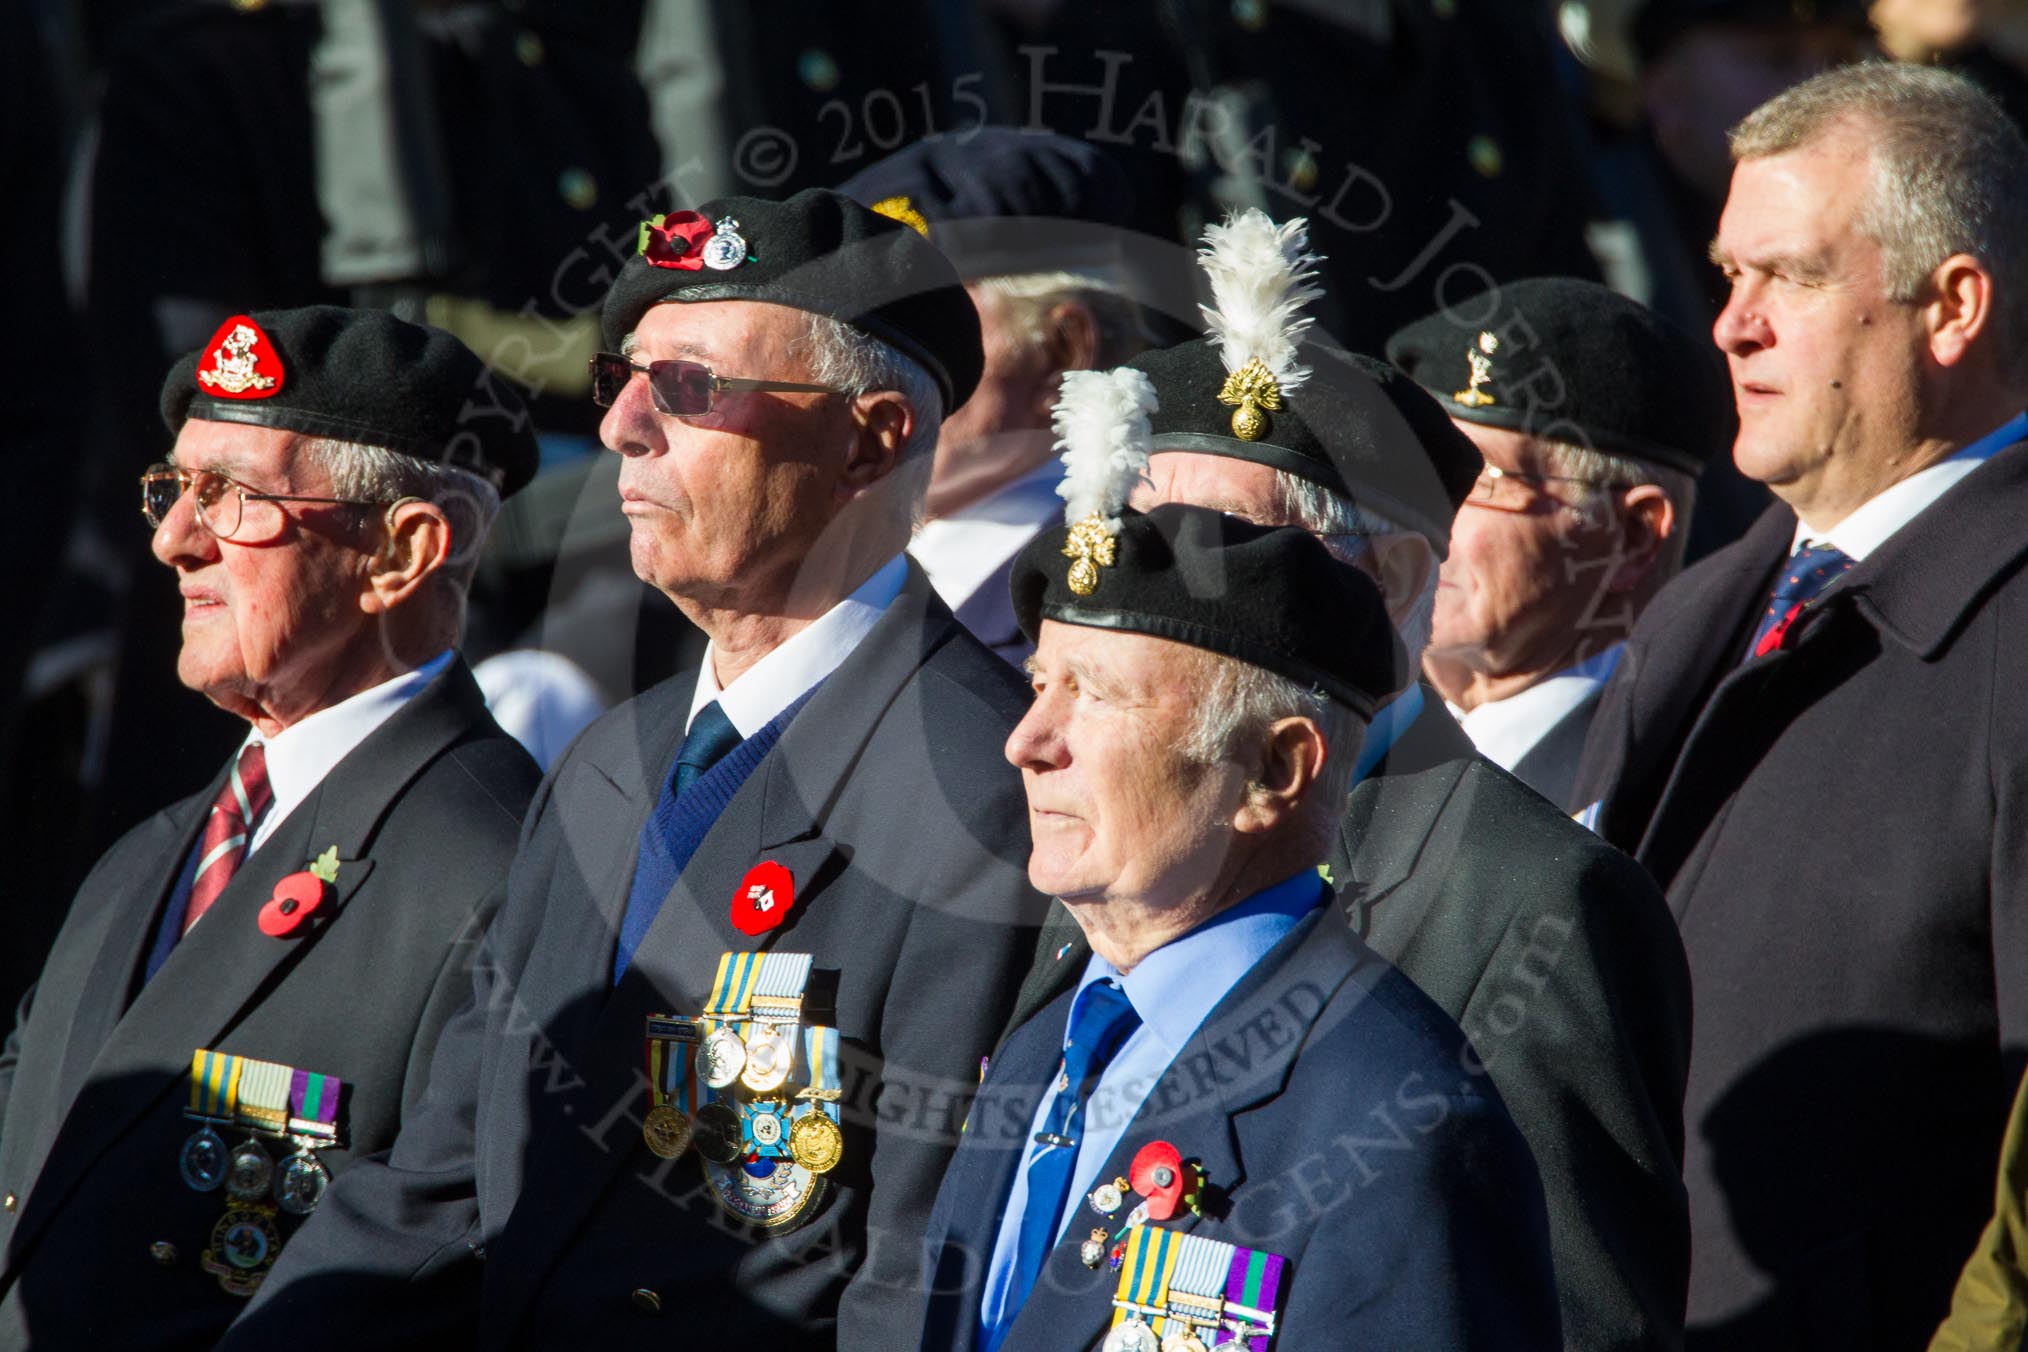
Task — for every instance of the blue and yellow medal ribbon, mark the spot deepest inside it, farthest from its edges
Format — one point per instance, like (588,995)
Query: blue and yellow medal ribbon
(732,989)
(820,1072)
(1144,1275)
(214,1086)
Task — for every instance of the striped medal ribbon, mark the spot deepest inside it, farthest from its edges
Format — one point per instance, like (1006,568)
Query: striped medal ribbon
(1189,1293)
(672,1080)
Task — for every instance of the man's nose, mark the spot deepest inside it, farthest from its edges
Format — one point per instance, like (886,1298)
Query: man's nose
(1035,743)
(182,540)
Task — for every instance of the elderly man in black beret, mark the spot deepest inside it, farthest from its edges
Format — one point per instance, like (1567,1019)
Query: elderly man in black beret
(1553,951)
(1035,224)
(1595,415)
(247,991)
(766,919)
(1238,1116)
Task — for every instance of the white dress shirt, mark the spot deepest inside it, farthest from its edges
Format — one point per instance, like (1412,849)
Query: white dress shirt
(962,550)
(784,675)
(1505,730)
(1886,512)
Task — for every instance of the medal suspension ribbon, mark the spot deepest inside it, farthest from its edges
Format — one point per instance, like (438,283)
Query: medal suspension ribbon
(1144,1276)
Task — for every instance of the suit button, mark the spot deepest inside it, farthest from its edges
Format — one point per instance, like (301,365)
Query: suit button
(163,1252)
(647,1302)
(11,1202)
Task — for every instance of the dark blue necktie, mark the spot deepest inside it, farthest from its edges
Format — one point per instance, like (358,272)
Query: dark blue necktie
(1099,1025)
(711,735)
(1809,570)
(710,739)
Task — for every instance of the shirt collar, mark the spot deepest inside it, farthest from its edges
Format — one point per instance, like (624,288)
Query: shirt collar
(1175,988)
(1887,511)
(1393,719)
(963,549)
(1505,730)
(299,756)
(791,670)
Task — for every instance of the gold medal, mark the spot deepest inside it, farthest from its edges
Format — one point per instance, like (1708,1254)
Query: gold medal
(1183,1340)
(767,1060)
(716,1133)
(666,1131)
(815,1142)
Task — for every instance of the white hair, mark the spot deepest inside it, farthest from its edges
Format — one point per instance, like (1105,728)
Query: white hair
(1026,298)
(851,360)
(1237,702)
(376,474)
(1619,471)
(1949,173)
(1345,527)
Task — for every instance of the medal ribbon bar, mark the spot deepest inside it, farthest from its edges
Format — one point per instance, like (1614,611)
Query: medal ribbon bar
(313,1105)
(264,1097)
(214,1086)
(1144,1276)
(1253,1291)
(670,1070)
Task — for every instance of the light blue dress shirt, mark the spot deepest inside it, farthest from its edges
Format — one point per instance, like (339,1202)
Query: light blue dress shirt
(1174,989)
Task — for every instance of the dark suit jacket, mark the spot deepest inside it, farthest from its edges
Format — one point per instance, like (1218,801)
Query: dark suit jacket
(889,801)
(1558,957)
(1842,827)
(1336,1112)
(92,1082)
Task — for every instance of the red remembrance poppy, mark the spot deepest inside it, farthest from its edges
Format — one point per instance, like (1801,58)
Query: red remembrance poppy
(763,898)
(675,240)
(296,899)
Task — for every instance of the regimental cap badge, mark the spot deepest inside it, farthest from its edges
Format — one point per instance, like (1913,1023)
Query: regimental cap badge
(1102,427)
(1480,357)
(1261,275)
(687,242)
(901,208)
(240,362)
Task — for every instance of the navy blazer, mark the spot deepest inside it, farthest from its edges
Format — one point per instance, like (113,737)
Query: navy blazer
(521,1206)
(1339,1125)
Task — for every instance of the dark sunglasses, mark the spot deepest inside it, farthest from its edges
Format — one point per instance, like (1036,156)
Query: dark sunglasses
(681,389)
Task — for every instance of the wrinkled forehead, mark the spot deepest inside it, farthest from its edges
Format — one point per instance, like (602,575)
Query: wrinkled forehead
(1241,488)
(1121,660)
(717,332)
(239,450)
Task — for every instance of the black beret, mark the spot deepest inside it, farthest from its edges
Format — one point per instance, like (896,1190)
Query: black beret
(1269,595)
(358,375)
(819,251)
(1003,200)
(1660,22)
(1356,426)
(1572,361)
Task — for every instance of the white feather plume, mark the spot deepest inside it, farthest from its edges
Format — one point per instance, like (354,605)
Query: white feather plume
(1261,277)
(1101,425)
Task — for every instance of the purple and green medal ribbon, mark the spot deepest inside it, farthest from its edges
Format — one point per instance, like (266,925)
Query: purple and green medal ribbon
(313,1104)
(1253,1290)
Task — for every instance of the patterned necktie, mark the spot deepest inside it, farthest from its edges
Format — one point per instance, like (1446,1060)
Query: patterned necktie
(1811,569)
(240,802)
(1101,1023)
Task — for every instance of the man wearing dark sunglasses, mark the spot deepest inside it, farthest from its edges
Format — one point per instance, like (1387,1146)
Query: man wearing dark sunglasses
(303,917)
(829,783)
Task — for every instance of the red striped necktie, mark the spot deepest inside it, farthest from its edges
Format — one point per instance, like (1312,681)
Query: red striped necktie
(240,802)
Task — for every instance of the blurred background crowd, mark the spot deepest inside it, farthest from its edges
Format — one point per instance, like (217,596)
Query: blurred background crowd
(481,165)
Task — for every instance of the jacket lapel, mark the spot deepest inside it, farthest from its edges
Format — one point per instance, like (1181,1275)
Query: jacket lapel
(222,968)
(1389,814)
(1071,1304)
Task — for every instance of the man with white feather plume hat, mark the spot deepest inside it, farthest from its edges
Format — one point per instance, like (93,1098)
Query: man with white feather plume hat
(1554,952)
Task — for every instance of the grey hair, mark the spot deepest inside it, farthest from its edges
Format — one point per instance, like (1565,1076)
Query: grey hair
(1620,471)
(1949,175)
(1027,298)
(1237,702)
(856,362)
(1345,526)
(376,474)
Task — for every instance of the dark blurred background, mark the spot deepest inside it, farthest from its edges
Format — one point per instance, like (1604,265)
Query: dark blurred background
(482,164)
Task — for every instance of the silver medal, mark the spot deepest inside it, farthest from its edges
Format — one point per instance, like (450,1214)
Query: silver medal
(250,1173)
(300,1184)
(726,249)
(202,1162)
(721,1059)
(1132,1336)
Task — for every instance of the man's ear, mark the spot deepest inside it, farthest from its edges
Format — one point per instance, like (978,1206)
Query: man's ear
(1646,521)
(883,423)
(1290,763)
(415,542)
(1959,308)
